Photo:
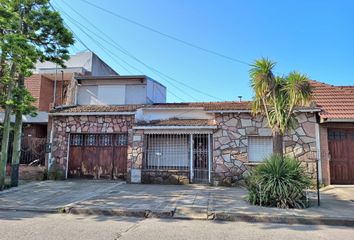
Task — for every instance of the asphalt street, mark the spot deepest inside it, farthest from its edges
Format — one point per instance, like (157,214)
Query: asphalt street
(28,225)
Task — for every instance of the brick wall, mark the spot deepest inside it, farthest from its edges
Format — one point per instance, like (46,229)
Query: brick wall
(41,88)
(33,84)
(46,94)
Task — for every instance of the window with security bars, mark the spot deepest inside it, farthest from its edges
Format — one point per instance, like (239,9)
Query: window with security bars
(259,148)
(167,151)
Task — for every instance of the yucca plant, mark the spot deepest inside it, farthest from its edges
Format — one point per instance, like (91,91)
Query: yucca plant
(279,183)
(277,97)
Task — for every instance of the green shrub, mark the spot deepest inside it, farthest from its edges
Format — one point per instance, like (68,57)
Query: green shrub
(278,183)
(56,175)
(45,175)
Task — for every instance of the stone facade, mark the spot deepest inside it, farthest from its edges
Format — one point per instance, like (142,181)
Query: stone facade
(165,176)
(230,151)
(230,162)
(135,151)
(64,125)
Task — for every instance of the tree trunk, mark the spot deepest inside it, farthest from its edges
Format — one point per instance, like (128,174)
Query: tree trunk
(5,146)
(278,144)
(6,130)
(16,151)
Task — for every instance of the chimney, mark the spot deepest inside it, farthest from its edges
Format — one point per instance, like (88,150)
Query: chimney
(240,98)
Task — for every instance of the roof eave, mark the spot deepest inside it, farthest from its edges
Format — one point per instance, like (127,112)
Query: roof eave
(89,113)
(173,127)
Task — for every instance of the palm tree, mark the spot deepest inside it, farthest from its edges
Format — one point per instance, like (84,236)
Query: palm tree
(277,98)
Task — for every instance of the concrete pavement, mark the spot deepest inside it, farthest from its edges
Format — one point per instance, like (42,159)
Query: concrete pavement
(162,201)
(30,225)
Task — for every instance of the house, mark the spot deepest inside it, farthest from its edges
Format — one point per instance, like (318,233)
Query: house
(176,143)
(336,122)
(47,79)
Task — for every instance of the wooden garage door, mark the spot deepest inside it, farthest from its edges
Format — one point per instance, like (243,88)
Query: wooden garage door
(98,156)
(341,149)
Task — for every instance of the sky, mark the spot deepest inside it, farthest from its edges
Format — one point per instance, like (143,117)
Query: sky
(313,37)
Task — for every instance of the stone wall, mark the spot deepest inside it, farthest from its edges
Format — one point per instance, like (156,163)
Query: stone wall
(165,176)
(135,151)
(230,152)
(64,125)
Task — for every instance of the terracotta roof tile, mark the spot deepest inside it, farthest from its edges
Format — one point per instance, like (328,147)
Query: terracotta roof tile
(97,108)
(335,101)
(231,105)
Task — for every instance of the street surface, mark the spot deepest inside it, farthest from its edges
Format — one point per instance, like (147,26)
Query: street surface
(28,225)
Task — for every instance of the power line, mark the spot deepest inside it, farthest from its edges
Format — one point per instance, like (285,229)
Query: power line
(78,24)
(124,51)
(75,35)
(96,42)
(167,35)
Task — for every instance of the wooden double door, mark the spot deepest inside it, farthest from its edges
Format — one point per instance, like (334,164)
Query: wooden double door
(98,156)
(341,149)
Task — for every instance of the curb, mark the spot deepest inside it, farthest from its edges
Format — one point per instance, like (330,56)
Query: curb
(36,210)
(216,216)
(209,216)
(119,212)
(284,219)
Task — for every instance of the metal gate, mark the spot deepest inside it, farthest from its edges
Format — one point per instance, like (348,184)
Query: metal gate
(98,156)
(33,150)
(190,153)
(200,158)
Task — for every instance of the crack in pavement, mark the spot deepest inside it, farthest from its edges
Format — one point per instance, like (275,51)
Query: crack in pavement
(129,229)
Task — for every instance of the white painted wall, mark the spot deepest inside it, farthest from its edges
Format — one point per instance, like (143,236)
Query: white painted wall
(122,91)
(87,95)
(136,94)
(156,92)
(111,94)
(164,114)
(101,95)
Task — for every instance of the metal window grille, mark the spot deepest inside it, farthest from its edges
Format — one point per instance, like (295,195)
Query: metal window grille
(76,140)
(259,148)
(122,140)
(167,151)
(106,140)
(90,140)
(179,152)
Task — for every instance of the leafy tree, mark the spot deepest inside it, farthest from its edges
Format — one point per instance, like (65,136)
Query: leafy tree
(30,31)
(277,98)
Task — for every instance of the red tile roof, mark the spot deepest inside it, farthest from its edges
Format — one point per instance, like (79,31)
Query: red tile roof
(336,102)
(97,108)
(209,106)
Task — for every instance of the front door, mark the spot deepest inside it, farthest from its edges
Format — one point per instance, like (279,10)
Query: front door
(341,149)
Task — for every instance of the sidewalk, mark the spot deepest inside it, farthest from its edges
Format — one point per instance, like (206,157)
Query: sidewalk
(167,201)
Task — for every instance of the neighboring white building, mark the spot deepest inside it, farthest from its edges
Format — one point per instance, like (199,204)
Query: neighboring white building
(83,63)
(119,90)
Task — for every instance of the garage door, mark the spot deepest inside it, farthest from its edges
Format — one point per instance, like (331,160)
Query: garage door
(341,149)
(98,156)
